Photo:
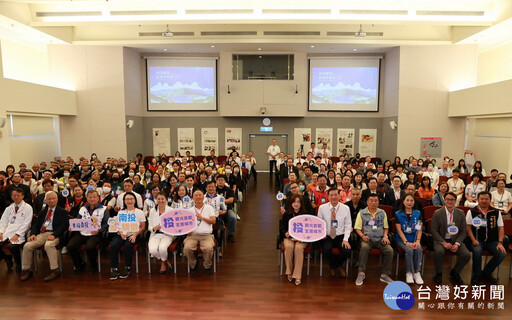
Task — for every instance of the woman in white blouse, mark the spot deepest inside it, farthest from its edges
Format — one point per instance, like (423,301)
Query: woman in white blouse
(501,198)
(473,189)
(159,242)
(181,200)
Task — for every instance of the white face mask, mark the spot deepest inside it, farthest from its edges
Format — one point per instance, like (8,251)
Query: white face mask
(66,174)
(228,171)
(237,170)
(119,170)
(214,171)
(106,190)
(131,174)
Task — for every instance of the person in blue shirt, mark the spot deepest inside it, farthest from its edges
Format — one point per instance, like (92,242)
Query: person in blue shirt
(408,236)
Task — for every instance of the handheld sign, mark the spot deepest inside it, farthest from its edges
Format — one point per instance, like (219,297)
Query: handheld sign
(84,224)
(89,188)
(124,222)
(280,196)
(306,228)
(178,222)
(65,193)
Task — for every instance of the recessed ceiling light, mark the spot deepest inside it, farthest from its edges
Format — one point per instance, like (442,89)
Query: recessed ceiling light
(165,49)
(259,49)
(213,46)
(355,49)
(312,46)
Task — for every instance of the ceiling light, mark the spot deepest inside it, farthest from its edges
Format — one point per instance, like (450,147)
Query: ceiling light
(165,49)
(213,46)
(259,49)
(355,49)
(312,46)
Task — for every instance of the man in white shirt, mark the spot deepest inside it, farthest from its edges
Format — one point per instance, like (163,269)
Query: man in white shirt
(445,171)
(29,182)
(338,227)
(325,150)
(299,159)
(273,155)
(128,187)
(202,235)
(314,150)
(14,225)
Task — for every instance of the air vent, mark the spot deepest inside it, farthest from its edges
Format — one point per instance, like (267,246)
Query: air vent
(143,13)
(227,11)
(68,14)
(291,33)
(450,13)
(389,12)
(229,33)
(159,34)
(351,34)
(296,11)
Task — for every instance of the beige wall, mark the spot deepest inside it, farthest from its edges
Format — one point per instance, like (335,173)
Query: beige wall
(494,65)
(97,74)
(488,99)
(426,75)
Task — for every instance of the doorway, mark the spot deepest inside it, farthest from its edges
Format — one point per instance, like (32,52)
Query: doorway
(259,142)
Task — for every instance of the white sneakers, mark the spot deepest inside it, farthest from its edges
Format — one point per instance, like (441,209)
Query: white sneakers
(417,278)
(408,278)
(360,278)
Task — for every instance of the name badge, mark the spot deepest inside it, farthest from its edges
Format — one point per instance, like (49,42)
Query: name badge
(334,224)
(118,192)
(418,227)
(477,222)
(454,189)
(453,230)
(501,204)
(13,220)
(374,227)
(371,222)
(322,200)
(46,223)
(473,195)
(484,223)
(408,230)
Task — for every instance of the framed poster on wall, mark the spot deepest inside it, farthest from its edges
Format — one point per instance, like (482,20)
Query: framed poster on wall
(368,142)
(233,138)
(301,140)
(324,135)
(186,141)
(161,141)
(345,141)
(209,141)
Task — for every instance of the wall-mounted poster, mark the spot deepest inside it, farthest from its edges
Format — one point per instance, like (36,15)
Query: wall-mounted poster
(301,140)
(161,141)
(186,141)
(210,141)
(233,138)
(324,135)
(345,141)
(368,142)
(431,146)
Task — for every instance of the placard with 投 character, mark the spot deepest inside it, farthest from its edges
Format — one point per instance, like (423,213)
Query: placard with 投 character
(84,224)
(306,228)
(178,222)
(125,222)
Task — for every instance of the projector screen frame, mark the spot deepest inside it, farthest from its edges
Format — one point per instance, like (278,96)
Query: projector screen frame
(173,57)
(347,57)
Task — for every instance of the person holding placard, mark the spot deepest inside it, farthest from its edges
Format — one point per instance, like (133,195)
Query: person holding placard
(486,230)
(372,227)
(126,235)
(338,227)
(449,232)
(159,242)
(202,235)
(99,215)
(14,225)
(293,249)
(408,238)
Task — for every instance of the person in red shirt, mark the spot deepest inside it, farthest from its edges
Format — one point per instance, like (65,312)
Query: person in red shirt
(320,192)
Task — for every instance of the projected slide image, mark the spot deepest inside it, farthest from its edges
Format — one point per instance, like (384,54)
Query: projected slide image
(182,85)
(344,85)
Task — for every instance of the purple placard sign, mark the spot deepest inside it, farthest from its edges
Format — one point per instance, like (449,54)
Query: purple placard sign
(306,228)
(83,225)
(178,222)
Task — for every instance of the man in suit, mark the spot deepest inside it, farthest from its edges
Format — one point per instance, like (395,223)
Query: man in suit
(16,183)
(449,240)
(50,225)
(286,169)
(393,196)
(372,189)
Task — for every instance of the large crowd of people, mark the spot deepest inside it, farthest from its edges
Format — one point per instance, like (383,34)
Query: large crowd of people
(37,204)
(351,194)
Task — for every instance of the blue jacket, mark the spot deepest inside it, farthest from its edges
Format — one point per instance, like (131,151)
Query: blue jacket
(404,222)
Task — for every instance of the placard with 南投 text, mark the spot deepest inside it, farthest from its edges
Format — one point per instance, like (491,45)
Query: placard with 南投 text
(306,228)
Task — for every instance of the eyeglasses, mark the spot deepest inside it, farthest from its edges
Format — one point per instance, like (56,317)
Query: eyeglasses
(449,199)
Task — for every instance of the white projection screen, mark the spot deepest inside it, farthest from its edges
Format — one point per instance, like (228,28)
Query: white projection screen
(181,84)
(344,83)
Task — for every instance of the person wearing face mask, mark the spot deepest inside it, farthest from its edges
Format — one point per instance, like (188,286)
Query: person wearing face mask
(433,175)
(117,184)
(107,199)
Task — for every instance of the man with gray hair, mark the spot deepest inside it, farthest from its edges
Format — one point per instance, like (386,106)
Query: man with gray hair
(50,225)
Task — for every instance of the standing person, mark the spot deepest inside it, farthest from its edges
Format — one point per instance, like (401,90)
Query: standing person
(253,165)
(338,227)
(293,249)
(408,237)
(159,242)
(449,240)
(273,155)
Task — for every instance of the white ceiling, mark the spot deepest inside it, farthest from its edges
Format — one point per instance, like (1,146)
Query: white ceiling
(328,25)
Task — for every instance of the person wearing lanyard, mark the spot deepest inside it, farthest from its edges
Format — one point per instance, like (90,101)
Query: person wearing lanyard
(218,204)
(293,249)
(339,225)
(126,235)
(486,230)
(456,185)
(408,237)
(473,189)
(50,225)
(501,198)
(99,215)
(448,232)
(150,201)
(14,224)
(202,235)
(372,227)
(159,242)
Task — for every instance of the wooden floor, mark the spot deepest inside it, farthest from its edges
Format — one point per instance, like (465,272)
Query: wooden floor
(247,285)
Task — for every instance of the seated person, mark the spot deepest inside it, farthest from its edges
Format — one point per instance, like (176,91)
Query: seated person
(150,202)
(438,199)
(229,199)
(99,215)
(372,189)
(297,188)
(408,238)
(338,227)
(449,240)
(355,205)
(320,192)
(433,175)
(14,225)
(128,188)
(372,227)
(126,238)
(293,249)
(502,199)
(456,185)
(396,193)
(293,178)
(50,225)
(489,236)
(202,235)
(426,191)
(473,189)
(345,189)
(159,242)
